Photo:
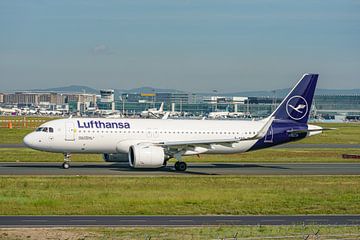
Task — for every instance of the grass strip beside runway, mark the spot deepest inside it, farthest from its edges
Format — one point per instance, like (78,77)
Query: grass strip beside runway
(30,155)
(14,135)
(345,133)
(258,195)
(222,232)
(271,155)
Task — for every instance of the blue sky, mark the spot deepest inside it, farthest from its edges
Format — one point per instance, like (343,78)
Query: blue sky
(189,45)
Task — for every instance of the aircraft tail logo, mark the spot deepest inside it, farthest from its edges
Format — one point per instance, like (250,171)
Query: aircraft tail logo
(301,109)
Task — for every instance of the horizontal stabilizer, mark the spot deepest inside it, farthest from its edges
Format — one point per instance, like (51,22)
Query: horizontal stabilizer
(309,130)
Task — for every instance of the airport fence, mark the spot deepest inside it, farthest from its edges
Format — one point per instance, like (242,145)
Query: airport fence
(21,123)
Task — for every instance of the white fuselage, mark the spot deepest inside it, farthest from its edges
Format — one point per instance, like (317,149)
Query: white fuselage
(101,135)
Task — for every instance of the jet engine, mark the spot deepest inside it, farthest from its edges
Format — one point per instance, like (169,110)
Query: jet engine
(115,157)
(146,156)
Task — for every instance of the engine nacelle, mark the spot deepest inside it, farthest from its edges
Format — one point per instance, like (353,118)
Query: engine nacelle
(146,156)
(115,157)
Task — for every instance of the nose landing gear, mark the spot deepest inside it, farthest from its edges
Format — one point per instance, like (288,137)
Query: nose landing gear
(67,160)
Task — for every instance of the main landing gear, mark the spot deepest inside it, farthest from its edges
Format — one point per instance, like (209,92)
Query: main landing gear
(67,159)
(179,165)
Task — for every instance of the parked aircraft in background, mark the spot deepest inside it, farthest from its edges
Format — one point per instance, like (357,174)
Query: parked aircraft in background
(28,111)
(154,112)
(11,111)
(50,112)
(226,114)
(218,114)
(150,143)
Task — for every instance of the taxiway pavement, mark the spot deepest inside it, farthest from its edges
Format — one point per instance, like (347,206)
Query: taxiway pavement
(83,168)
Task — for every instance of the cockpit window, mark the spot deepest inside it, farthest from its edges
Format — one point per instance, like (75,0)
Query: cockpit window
(45,129)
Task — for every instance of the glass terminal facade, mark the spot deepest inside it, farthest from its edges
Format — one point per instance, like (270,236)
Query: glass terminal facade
(255,106)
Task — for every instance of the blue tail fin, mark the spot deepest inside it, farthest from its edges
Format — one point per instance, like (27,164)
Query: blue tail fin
(296,105)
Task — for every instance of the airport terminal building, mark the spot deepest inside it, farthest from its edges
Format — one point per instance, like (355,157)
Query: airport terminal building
(324,106)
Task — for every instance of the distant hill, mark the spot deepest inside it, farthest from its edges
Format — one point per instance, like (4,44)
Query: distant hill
(70,89)
(338,92)
(80,89)
(151,90)
(285,91)
(277,92)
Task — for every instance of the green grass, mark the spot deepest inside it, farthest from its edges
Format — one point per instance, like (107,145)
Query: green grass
(179,195)
(18,132)
(30,155)
(14,135)
(185,233)
(346,133)
(267,155)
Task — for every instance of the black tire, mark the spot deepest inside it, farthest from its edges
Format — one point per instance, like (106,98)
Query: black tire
(65,165)
(176,166)
(180,166)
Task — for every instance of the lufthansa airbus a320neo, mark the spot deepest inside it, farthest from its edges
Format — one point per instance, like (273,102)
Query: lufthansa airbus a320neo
(150,143)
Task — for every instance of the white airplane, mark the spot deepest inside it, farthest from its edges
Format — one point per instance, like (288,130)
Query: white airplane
(50,112)
(216,115)
(10,110)
(225,114)
(236,114)
(150,143)
(154,112)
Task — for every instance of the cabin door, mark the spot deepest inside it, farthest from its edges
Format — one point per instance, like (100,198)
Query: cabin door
(69,131)
(269,135)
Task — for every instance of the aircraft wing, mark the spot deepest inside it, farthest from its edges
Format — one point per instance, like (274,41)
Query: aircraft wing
(198,142)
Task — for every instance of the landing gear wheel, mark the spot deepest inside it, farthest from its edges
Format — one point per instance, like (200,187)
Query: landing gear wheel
(67,159)
(180,166)
(66,165)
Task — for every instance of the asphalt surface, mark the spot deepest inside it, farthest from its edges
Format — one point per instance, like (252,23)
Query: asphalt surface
(73,221)
(13,145)
(119,169)
(296,145)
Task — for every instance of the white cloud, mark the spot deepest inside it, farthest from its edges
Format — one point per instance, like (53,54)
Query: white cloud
(102,49)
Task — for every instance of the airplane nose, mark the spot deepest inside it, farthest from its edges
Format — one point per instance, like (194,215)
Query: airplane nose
(29,140)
